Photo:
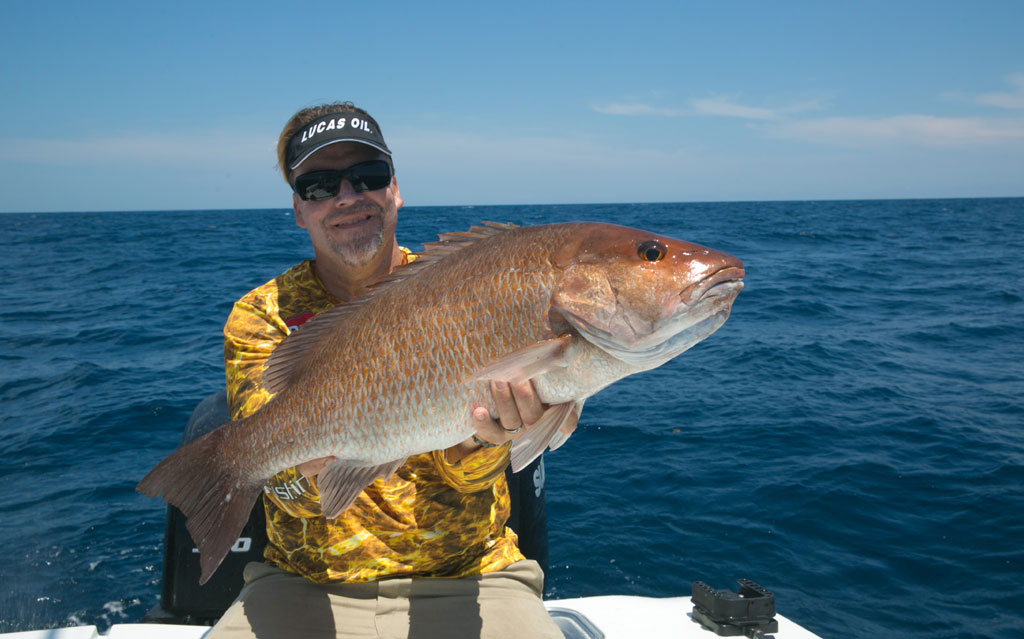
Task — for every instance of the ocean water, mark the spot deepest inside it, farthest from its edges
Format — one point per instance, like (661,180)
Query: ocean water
(852,438)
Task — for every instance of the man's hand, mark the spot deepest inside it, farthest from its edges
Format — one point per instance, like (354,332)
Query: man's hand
(519,408)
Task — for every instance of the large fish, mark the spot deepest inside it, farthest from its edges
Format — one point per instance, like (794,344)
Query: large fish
(574,307)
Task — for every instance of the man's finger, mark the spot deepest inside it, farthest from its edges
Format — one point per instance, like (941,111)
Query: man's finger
(505,402)
(529,408)
(487,429)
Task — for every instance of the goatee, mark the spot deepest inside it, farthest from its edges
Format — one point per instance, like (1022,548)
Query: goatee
(360,247)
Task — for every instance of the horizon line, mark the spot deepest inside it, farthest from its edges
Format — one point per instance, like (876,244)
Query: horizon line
(472,206)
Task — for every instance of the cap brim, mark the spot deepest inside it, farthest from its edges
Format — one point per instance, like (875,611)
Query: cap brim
(310,152)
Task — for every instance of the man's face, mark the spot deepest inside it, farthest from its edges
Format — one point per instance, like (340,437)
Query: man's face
(353,227)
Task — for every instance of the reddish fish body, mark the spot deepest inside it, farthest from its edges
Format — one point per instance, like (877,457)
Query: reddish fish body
(573,307)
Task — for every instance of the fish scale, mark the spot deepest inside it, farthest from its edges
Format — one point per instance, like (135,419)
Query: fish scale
(573,307)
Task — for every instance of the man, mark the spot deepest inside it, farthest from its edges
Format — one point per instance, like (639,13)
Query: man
(425,552)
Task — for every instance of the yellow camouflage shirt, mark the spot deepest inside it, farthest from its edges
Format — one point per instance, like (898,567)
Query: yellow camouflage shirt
(431,518)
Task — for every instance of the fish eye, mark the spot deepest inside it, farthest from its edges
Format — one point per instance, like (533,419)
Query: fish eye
(652,251)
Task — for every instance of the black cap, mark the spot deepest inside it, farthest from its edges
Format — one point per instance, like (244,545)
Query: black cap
(343,126)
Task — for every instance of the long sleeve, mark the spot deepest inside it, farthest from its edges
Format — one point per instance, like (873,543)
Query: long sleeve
(253,330)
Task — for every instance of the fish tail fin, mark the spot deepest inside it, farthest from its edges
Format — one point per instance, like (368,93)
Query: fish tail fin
(212,492)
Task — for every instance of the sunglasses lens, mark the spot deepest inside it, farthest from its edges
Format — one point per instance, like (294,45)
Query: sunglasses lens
(369,176)
(366,176)
(318,185)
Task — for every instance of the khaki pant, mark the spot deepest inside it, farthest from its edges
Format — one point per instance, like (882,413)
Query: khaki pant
(276,604)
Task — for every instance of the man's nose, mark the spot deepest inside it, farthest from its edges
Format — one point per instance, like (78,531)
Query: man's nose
(346,193)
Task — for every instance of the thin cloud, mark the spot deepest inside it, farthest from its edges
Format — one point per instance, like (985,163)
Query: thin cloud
(720,106)
(432,149)
(726,107)
(636,109)
(1013,99)
(790,122)
(716,106)
(536,169)
(922,130)
(146,149)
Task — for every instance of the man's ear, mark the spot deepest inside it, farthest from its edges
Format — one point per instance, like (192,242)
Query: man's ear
(398,194)
(299,220)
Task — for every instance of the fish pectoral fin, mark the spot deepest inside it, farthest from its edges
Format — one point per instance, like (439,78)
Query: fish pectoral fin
(291,357)
(341,482)
(532,443)
(527,362)
(560,437)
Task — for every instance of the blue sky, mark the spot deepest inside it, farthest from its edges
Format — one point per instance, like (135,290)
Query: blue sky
(140,106)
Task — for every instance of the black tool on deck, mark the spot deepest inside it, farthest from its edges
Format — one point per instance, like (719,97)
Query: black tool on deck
(749,612)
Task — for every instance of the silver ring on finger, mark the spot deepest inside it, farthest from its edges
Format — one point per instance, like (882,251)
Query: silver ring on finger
(512,431)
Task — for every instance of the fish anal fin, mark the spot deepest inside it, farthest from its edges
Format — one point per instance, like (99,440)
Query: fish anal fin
(532,443)
(340,483)
(527,362)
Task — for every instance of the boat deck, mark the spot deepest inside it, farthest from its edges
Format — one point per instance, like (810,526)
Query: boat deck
(607,617)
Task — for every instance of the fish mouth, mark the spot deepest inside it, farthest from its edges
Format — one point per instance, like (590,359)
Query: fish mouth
(702,310)
(697,312)
(720,283)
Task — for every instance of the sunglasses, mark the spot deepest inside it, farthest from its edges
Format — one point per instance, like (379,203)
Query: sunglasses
(365,176)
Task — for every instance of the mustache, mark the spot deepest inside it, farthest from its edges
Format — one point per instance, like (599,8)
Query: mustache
(357,209)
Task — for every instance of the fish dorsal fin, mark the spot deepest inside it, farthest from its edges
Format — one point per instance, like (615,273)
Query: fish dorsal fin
(476,232)
(434,252)
(289,359)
